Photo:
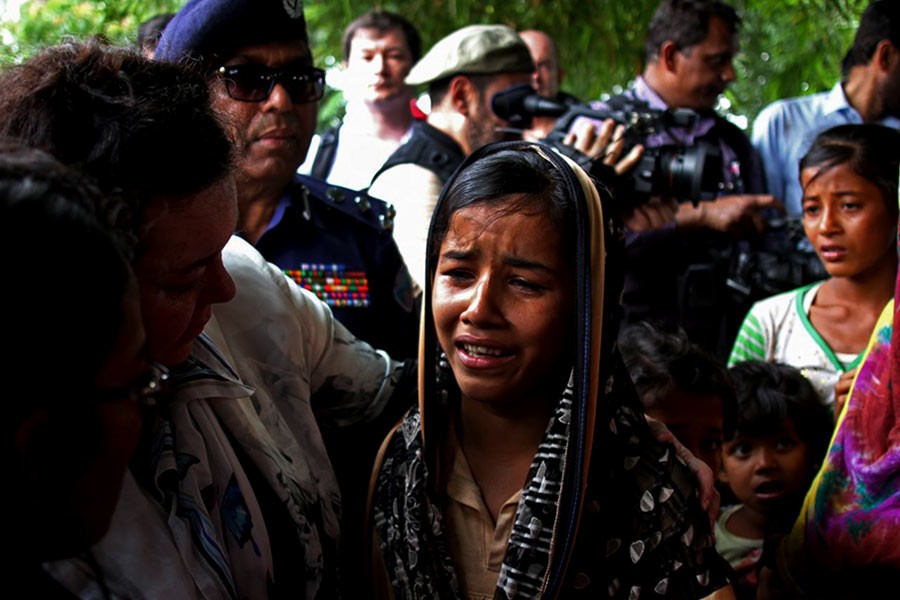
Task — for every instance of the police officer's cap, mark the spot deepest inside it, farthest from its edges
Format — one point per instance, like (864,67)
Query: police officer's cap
(206,27)
(473,50)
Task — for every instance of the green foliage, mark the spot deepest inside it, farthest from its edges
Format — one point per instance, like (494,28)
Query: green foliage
(45,22)
(789,47)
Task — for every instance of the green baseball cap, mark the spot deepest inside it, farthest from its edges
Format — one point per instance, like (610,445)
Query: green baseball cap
(473,50)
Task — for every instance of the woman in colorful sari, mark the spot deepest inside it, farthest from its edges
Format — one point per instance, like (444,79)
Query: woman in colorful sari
(528,469)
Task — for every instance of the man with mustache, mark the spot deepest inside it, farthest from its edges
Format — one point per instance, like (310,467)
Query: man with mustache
(676,270)
(462,72)
(231,493)
(265,87)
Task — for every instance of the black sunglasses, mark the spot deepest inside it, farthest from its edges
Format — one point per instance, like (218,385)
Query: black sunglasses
(252,82)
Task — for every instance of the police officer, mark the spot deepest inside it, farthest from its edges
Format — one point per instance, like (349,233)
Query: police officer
(335,242)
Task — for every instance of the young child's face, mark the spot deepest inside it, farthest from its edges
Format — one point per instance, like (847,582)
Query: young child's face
(696,421)
(767,473)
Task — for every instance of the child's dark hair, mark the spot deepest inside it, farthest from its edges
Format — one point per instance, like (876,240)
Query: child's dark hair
(770,393)
(872,152)
(661,360)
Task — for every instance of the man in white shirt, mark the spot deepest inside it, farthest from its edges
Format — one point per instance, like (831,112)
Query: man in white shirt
(380,48)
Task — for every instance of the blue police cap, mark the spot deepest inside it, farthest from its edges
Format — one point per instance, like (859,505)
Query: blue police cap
(203,28)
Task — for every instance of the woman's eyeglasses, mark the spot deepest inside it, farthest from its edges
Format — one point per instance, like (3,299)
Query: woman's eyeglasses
(145,391)
(254,83)
(152,385)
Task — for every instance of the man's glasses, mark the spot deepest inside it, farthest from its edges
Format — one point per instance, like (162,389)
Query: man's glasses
(254,83)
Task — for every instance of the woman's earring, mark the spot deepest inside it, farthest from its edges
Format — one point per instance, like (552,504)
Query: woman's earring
(443,376)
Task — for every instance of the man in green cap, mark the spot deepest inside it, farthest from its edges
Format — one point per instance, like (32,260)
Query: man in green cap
(462,71)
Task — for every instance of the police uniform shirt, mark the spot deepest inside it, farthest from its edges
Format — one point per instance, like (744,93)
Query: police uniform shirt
(338,243)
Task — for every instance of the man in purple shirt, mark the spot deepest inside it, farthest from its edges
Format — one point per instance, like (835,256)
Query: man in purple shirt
(676,272)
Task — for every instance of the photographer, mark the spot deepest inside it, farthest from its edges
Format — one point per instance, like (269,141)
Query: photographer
(677,270)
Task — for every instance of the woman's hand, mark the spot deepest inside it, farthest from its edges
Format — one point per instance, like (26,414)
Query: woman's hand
(709,495)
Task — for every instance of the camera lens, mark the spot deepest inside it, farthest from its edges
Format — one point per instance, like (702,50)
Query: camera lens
(689,174)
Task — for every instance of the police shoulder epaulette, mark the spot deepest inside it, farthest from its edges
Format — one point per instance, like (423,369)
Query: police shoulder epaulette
(357,204)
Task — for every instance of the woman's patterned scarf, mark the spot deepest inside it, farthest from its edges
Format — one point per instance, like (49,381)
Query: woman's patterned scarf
(642,531)
(411,532)
(606,510)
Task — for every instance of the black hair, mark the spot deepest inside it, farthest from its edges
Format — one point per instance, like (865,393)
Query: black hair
(68,278)
(383,21)
(880,21)
(69,272)
(660,361)
(686,23)
(872,151)
(769,393)
(513,181)
(149,31)
(141,129)
(439,88)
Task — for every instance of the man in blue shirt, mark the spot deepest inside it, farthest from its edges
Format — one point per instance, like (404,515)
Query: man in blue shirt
(869,92)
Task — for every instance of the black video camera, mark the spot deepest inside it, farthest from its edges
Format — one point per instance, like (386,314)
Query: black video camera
(780,261)
(685,173)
